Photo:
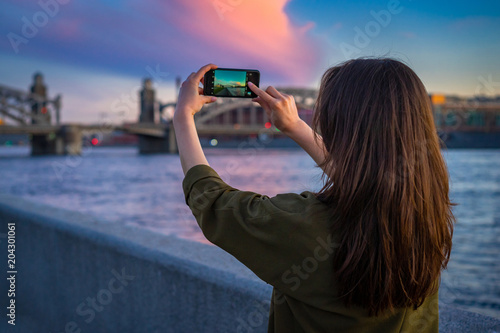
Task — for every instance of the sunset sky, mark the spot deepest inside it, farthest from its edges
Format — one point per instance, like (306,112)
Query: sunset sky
(95,53)
(230,78)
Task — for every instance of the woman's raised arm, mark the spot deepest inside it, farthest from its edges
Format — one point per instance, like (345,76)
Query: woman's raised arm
(189,103)
(282,111)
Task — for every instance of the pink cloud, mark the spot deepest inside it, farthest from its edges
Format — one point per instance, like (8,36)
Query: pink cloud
(182,35)
(255,32)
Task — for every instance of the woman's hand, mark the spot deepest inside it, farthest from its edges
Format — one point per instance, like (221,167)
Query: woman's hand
(283,112)
(191,98)
(279,107)
(190,101)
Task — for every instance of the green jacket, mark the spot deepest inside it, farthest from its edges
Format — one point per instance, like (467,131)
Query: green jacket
(285,241)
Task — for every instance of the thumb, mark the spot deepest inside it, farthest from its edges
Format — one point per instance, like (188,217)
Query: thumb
(208,99)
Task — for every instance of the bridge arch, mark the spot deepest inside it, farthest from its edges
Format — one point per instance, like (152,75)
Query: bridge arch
(239,112)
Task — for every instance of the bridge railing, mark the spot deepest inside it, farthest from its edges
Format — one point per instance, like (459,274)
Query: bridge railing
(23,107)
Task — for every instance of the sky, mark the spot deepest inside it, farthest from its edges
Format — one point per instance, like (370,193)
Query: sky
(230,78)
(96,53)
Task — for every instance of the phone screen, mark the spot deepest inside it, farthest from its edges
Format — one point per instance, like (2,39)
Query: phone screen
(233,83)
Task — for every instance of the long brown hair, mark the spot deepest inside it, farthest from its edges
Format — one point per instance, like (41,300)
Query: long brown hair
(386,183)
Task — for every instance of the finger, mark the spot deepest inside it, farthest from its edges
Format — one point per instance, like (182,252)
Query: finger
(263,104)
(188,79)
(208,99)
(200,90)
(261,93)
(258,100)
(201,72)
(273,92)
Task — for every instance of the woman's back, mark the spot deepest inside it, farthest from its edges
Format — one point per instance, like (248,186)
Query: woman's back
(285,240)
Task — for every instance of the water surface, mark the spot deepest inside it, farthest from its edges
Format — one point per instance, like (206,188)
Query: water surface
(117,184)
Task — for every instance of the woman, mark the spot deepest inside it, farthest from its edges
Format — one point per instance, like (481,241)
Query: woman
(365,253)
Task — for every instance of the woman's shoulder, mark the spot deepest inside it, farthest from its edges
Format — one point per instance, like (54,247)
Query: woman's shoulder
(298,202)
(305,211)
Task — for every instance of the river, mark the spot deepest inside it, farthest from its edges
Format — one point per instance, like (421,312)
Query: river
(118,184)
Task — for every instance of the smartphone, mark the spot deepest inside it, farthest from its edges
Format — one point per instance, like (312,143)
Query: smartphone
(230,82)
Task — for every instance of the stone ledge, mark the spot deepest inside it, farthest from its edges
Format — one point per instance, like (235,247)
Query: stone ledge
(65,258)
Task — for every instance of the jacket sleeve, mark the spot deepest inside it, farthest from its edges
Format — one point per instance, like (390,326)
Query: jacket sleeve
(254,228)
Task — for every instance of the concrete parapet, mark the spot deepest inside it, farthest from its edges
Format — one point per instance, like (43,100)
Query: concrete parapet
(79,274)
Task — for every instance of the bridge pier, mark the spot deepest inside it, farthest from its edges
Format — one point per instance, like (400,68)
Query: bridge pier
(152,145)
(66,141)
(157,145)
(172,142)
(149,116)
(45,144)
(71,137)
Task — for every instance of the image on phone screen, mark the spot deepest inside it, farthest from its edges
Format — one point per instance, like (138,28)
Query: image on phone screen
(231,83)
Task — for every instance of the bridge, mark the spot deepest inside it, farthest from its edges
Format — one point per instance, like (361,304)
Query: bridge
(460,124)
(31,113)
